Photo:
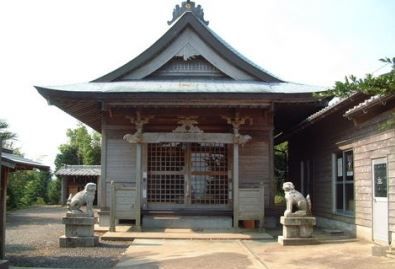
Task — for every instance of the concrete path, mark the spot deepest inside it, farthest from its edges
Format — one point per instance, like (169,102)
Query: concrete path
(151,253)
(186,234)
(245,254)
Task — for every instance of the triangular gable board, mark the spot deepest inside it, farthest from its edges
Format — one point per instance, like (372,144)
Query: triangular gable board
(187,46)
(192,41)
(195,67)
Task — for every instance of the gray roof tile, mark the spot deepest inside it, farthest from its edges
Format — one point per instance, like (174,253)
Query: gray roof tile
(79,170)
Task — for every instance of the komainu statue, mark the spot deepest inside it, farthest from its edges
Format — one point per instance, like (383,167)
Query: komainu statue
(84,197)
(296,204)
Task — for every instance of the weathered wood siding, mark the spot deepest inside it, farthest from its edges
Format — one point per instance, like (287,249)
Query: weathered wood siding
(255,167)
(120,161)
(368,140)
(251,202)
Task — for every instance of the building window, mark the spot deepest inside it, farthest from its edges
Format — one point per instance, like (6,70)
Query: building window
(343,178)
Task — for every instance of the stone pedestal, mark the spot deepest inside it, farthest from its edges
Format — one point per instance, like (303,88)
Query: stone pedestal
(3,264)
(297,231)
(79,231)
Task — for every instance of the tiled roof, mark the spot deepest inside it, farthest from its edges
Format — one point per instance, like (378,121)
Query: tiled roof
(374,100)
(79,170)
(14,159)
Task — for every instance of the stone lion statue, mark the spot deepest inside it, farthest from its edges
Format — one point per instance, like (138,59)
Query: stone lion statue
(296,203)
(84,197)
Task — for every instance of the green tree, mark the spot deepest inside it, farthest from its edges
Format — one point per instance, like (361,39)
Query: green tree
(25,188)
(5,134)
(370,85)
(82,148)
(54,187)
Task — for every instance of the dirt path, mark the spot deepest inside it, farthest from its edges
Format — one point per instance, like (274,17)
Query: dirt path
(32,240)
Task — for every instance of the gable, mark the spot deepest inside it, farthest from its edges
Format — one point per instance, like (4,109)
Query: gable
(190,37)
(188,56)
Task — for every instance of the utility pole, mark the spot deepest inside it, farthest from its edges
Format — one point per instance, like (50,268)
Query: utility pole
(3,192)
(2,210)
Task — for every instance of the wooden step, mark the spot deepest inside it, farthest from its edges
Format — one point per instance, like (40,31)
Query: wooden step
(186,222)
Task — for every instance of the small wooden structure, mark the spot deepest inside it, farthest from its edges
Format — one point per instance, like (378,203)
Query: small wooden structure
(344,157)
(188,124)
(10,162)
(75,177)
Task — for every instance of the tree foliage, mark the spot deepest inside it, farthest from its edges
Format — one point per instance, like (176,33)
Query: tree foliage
(54,188)
(26,188)
(370,85)
(82,148)
(280,164)
(5,134)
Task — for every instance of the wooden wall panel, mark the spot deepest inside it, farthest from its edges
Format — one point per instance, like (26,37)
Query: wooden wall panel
(121,161)
(255,167)
(368,141)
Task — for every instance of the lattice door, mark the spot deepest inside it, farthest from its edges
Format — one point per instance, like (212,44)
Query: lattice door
(209,174)
(191,175)
(166,173)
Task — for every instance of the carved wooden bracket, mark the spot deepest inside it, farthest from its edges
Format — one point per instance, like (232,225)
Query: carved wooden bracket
(139,121)
(241,139)
(133,138)
(187,125)
(237,121)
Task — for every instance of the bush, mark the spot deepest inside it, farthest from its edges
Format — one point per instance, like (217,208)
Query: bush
(279,199)
(39,201)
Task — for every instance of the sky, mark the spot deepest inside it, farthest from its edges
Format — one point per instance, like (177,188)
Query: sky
(47,42)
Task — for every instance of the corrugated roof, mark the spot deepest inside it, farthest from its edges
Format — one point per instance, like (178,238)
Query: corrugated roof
(188,86)
(79,170)
(19,160)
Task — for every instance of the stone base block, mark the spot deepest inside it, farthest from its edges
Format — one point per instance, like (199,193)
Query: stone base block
(297,227)
(79,230)
(296,241)
(104,218)
(4,264)
(73,242)
(79,226)
(378,250)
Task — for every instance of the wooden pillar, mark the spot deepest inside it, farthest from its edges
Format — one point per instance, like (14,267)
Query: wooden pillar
(102,199)
(139,157)
(235,186)
(3,195)
(113,209)
(63,191)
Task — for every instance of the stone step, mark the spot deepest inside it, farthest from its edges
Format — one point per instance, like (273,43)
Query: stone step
(391,254)
(187,222)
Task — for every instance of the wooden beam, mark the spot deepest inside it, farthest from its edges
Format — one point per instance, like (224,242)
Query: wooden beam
(187,138)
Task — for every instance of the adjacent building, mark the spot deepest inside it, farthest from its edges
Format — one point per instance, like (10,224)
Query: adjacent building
(344,156)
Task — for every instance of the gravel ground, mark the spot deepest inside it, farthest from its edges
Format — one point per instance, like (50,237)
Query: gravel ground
(32,239)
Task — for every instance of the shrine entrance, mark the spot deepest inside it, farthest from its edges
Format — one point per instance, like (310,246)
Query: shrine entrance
(188,176)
